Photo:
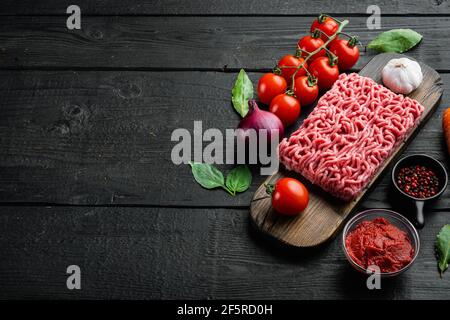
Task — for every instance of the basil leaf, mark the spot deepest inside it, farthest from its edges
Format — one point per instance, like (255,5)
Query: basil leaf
(443,248)
(239,179)
(395,40)
(207,175)
(241,93)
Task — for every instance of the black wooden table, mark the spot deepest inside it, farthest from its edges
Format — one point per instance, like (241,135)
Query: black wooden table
(86,178)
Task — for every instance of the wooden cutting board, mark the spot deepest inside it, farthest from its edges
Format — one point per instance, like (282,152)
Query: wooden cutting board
(325,214)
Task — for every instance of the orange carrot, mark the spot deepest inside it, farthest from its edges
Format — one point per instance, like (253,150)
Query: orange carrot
(446,127)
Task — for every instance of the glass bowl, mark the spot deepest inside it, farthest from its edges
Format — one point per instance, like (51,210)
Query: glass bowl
(394,218)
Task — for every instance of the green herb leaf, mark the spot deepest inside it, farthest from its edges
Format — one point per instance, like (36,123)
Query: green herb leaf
(443,248)
(395,40)
(207,175)
(241,93)
(239,179)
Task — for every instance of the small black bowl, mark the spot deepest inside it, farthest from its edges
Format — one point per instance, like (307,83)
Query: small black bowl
(429,162)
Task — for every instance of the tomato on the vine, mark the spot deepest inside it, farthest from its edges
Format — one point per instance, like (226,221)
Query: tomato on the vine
(290,64)
(306,90)
(325,70)
(269,86)
(325,24)
(347,52)
(285,107)
(289,196)
(309,44)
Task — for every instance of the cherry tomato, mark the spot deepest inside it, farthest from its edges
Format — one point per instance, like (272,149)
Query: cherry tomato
(325,72)
(291,61)
(308,44)
(269,86)
(289,197)
(285,107)
(325,24)
(306,90)
(346,51)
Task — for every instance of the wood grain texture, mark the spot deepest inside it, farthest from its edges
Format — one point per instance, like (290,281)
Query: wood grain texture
(218,7)
(190,43)
(163,253)
(326,214)
(104,138)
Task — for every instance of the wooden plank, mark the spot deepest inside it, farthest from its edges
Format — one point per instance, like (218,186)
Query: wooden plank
(126,252)
(141,253)
(104,137)
(217,7)
(325,214)
(199,43)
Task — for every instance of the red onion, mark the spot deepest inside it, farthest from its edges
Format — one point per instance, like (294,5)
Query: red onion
(259,119)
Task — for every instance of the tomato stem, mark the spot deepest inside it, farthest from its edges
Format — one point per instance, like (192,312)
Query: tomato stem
(290,92)
(320,32)
(316,33)
(332,58)
(345,34)
(312,81)
(277,70)
(287,67)
(342,24)
(269,188)
(353,41)
(323,16)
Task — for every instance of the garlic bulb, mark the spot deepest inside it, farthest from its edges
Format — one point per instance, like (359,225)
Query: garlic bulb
(402,75)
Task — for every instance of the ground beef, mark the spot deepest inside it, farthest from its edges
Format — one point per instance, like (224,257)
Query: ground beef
(343,142)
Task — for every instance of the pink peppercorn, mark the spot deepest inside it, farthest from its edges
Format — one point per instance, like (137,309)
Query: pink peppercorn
(418,181)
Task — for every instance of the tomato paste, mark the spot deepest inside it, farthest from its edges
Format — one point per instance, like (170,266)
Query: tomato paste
(380,243)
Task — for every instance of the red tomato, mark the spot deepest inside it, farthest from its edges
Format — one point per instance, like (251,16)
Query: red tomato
(327,25)
(291,61)
(306,90)
(289,197)
(285,107)
(269,86)
(325,72)
(309,44)
(346,51)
